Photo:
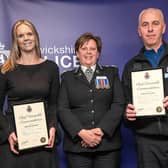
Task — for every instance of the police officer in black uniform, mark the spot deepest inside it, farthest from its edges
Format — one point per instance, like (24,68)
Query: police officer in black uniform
(90,110)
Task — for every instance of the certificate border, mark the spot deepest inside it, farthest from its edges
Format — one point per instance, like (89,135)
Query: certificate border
(148,69)
(24,103)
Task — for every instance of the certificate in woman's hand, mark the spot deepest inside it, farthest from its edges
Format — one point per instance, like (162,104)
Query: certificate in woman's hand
(31,125)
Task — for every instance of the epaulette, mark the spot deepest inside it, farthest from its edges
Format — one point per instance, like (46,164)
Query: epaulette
(65,70)
(75,70)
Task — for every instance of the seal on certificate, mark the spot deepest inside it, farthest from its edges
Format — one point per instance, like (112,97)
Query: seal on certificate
(29,109)
(159,109)
(146,75)
(42,139)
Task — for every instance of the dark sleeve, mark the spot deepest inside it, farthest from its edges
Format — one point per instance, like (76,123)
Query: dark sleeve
(112,119)
(126,84)
(68,120)
(53,96)
(4,131)
(4,127)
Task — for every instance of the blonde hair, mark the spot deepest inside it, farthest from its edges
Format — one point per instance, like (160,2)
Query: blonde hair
(15,52)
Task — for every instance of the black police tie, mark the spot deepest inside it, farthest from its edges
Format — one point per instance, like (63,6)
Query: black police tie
(89,74)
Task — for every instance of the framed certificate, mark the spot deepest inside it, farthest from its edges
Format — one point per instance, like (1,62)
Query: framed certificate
(148,92)
(31,125)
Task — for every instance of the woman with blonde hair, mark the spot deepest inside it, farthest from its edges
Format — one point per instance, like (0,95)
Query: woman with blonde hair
(28,78)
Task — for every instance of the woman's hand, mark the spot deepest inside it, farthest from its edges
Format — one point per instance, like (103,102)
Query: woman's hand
(51,139)
(90,138)
(97,131)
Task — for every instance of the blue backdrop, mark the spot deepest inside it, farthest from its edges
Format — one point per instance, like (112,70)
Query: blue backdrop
(60,22)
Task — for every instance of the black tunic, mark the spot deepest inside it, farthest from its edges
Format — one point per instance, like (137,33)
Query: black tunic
(29,83)
(83,106)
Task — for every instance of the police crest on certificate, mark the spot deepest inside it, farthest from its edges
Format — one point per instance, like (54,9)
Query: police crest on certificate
(148,92)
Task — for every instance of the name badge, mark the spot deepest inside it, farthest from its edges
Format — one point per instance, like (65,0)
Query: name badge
(102,82)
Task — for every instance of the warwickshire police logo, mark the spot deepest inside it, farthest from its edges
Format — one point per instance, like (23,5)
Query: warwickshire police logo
(3,54)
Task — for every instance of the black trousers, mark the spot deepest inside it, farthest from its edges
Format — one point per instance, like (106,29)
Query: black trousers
(94,160)
(152,151)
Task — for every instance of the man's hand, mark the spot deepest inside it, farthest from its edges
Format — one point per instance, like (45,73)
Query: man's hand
(130,112)
(13,141)
(165,102)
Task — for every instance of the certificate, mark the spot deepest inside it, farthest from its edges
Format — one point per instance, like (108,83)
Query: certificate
(148,92)
(31,125)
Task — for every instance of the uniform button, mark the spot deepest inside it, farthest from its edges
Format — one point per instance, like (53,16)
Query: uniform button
(92,111)
(91,100)
(90,90)
(93,122)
